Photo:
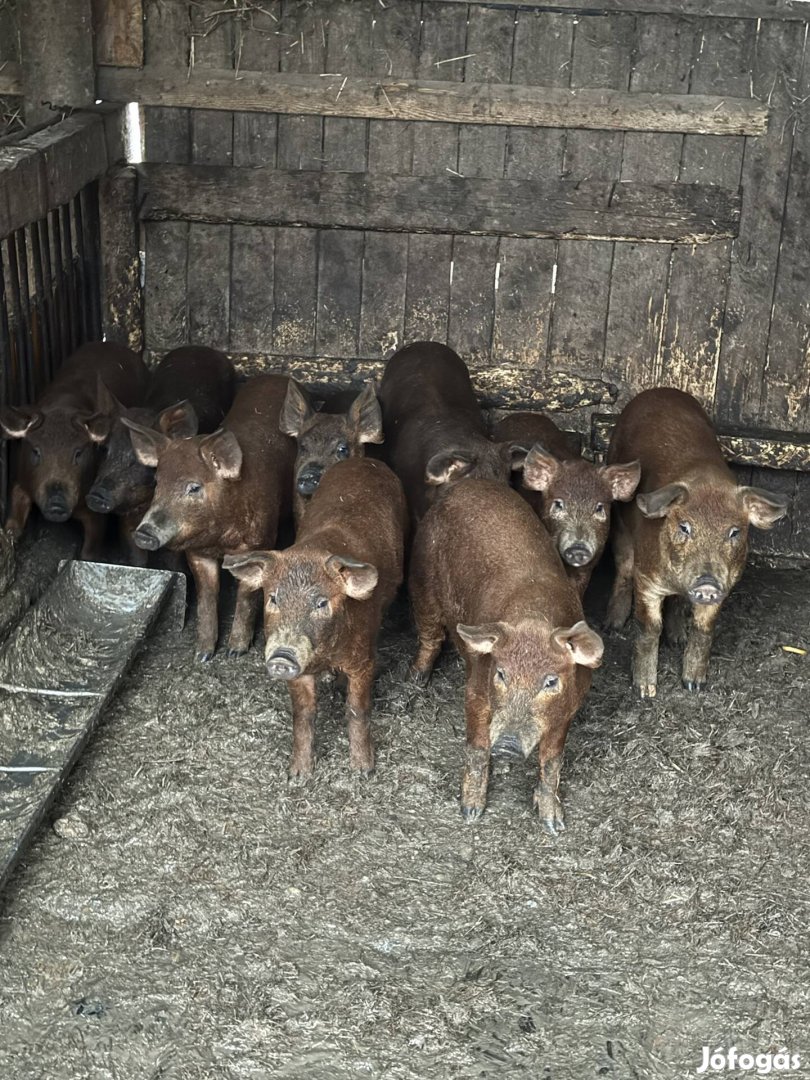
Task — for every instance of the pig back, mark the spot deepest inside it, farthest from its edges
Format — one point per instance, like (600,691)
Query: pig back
(426,378)
(122,370)
(203,376)
(359,510)
(267,454)
(669,432)
(485,553)
(528,428)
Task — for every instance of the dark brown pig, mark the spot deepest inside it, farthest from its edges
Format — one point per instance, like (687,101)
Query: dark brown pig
(190,392)
(324,598)
(327,437)
(434,431)
(56,457)
(484,570)
(686,534)
(220,494)
(571,496)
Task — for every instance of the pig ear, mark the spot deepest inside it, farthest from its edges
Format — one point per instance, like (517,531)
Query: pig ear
(448,465)
(16,423)
(359,578)
(539,468)
(97,427)
(622,479)
(223,453)
(483,638)
(147,444)
(296,412)
(179,421)
(584,644)
(764,508)
(365,415)
(518,453)
(105,399)
(251,568)
(656,504)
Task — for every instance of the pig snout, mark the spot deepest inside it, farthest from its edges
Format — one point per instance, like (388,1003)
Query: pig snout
(99,499)
(146,537)
(508,746)
(56,506)
(577,554)
(308,479)
(283,664)
(706,590)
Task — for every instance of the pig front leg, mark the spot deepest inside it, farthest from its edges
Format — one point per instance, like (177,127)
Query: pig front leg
(699,646)
(547,793)
(95,528)
(244,621)
(478,714)
(304,703)
(580,577)
(18,511)
(358,709)
(430,632)
(649,612)
(621,598)
(206,578)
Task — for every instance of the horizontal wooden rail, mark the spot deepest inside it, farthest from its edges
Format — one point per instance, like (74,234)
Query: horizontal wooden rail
(11,84)
(764,449)
(727,9)
(592,209)
(445,102)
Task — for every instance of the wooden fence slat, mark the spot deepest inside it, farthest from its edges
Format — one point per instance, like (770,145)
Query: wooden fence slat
(443,38)
(118,29)
(382,311)
(601,57)
(338,313)
(11,77)
(588,209)
(472,297)
(258,48)
(167,33)
(725,9)
(429,100)
(640,274)
(699,277)
(348,52)
(395,50)
(165,298)
(122,301)
(56,52)
(251,288)
(303,50)
(295,291)
(490,42)
(427,295)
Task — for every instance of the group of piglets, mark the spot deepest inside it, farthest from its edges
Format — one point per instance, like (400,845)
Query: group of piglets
(191,461)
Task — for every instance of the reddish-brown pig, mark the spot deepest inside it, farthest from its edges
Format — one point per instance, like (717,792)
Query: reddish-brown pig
(434,431)
(56,455)
(571,496)
(220,494)
(326,437)
(484,570)
(686,534)
(324,598)
(190,392)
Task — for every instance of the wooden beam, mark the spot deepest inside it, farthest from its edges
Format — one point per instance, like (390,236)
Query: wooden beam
(444,102)
(597,210)
(121,295)
(56,47)
(726,9)
(11,84)
(785,450)
(118,28)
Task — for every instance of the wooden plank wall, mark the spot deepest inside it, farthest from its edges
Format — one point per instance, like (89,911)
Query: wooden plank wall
(728,321)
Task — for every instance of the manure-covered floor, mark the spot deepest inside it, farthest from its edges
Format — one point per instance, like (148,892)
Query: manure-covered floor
(188,914)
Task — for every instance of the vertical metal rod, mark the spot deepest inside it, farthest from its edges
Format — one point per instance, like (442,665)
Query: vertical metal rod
(41,302)
(27,314)
(70,274)
(81,269)
(61,287)
(90,197)
(19,361)
(48,297)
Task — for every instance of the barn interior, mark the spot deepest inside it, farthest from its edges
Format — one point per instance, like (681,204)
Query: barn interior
(584,201)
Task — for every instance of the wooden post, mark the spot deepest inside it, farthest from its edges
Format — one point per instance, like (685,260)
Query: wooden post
(122,298)
(56,45)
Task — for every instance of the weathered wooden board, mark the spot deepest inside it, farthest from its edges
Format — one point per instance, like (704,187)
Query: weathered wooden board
(56,52)
(58,671)
(662,213)
(472,297)
(296,286)
(339,277)
(427,296)
(122,299)
(165,295)
(382,309)
(258,48)
(11,78)
(167,35)
(395,49)
(728,9)
(340,95)
(118,30)
(490,45)
(442,46)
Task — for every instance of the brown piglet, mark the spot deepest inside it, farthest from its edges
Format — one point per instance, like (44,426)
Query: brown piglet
(484,570)
(220,494)
(190,392)
(326,437)
(435,433)
(686,534)
(56,453)
(571,496)
(324,598)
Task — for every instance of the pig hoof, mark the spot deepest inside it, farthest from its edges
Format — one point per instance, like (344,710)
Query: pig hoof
(693,686)
(300,770)
(471,814)
(233,653)
(204,655)
(646,690)
(553,825)
(420,678)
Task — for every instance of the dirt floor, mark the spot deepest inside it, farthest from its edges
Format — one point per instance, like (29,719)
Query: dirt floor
(190,914)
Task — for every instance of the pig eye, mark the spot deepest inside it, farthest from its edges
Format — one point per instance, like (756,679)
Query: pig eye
(734,532)
(551,682)
(193,488)
(600,509)
(273,599)
(685,528)
(36,455)
(342,450)
(78,454)
(500,675)
(557,504)
(321,604)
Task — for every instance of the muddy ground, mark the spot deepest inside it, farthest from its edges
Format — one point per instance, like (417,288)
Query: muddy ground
(189,914)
